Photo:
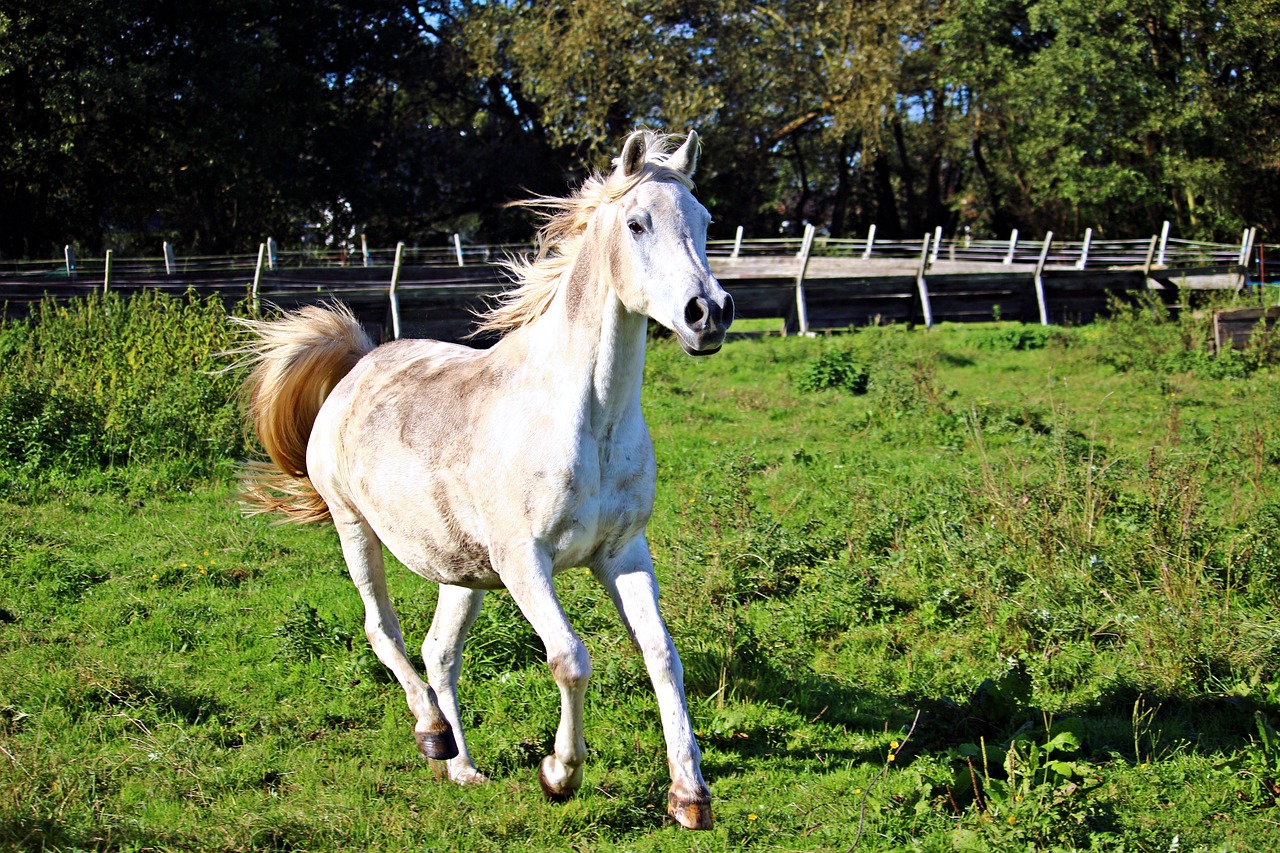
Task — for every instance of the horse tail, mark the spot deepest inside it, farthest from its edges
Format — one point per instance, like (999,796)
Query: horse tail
(296,361)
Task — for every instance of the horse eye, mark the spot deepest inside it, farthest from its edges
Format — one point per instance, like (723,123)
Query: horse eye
(636,227)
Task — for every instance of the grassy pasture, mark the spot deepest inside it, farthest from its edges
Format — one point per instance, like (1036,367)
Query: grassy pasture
(990,587)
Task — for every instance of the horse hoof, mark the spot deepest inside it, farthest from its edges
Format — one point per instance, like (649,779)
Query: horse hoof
(470,776)
(692,813)
(444,772)
(438,745)
(561,792)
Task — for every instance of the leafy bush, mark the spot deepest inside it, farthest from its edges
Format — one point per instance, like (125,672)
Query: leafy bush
(108,381)
(1146,336)
(43,427)
(837,369)
(1015,337)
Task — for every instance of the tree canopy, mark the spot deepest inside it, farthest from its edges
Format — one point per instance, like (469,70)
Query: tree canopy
(216,124)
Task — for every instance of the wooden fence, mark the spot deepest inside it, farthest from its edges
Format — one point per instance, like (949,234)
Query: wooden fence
(809,283)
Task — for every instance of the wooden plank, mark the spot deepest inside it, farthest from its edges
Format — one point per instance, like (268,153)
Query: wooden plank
(802,311)
(1234,327)
(1038,279)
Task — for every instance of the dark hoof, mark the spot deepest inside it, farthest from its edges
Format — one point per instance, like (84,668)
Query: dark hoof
(690,813)
(438,745)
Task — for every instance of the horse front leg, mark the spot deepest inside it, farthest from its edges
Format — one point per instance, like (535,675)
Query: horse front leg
(363,553)
(634,590)
(527,575)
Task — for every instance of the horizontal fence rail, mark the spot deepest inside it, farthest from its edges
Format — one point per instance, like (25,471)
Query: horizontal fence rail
(808,282)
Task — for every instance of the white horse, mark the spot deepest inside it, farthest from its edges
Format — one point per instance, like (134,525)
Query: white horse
(483,469)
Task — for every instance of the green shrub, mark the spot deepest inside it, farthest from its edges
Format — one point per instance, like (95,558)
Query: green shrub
(43,427)
(1012,337)
(110,381)
(1146,336)
(836,369)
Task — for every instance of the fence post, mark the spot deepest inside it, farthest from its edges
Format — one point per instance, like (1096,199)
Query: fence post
(1039,279)
(1151,254)
(1246,254)
(364,249)
(737,243)
(106,272)
(1084,250)
(802,308)
(1246,246)
(1013,246)
(803,240)
(457,248)
(1164,242)
(169,261)
(391,293)
(937,242)
(871,242)
(922,287)
(70,255)
(257,277)
(271,253)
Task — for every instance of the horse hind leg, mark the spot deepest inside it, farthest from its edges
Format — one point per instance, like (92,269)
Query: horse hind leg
(363,553)
(456,611)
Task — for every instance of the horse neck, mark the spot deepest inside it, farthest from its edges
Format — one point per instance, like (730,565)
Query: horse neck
(592,342)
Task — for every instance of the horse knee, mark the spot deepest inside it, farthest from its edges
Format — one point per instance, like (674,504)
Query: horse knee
(571,667)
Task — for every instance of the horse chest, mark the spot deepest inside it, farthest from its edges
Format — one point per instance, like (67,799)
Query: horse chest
(596,503)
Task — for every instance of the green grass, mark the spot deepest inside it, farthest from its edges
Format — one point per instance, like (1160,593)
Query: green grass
(1045,566)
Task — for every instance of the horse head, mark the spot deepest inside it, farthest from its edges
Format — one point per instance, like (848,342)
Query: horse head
(661,229)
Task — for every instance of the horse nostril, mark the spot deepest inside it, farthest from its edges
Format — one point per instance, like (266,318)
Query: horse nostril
(695,313)
(727,310)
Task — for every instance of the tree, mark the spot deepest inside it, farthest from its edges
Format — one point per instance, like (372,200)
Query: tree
(1114,114)
(218,124)
(212,124)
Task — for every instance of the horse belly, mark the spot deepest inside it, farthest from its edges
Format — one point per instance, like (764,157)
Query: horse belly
(575,543)
(467,565)
(433,534)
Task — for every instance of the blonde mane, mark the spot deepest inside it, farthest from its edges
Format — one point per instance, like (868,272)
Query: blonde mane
(560,237)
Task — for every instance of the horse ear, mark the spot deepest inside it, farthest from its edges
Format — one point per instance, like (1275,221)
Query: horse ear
(685,158)
(634,151)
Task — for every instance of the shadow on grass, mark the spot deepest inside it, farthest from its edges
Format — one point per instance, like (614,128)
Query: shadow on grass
(44,834)
(41,834)
(1124,722)
(136,691)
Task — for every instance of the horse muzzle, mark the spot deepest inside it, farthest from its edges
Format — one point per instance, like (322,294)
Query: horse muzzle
(706,319)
